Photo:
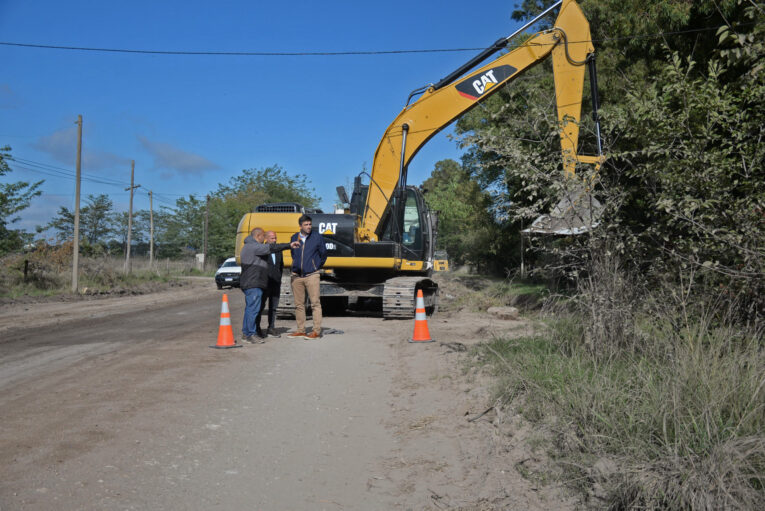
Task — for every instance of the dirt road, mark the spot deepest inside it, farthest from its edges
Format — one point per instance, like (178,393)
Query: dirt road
(120,404)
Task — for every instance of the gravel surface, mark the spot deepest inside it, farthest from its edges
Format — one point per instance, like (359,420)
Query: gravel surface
(120,404)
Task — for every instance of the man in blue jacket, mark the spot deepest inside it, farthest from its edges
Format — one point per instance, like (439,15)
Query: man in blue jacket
(307,259)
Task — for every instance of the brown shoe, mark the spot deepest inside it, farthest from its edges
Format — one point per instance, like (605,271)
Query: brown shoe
(312,335)
(296,335)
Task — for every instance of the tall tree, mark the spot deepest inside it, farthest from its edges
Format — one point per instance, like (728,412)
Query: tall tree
(14,197)
(119,227)
(180,230)
(95,220)
(231,201)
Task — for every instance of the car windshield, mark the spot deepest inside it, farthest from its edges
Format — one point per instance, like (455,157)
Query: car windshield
(229,264)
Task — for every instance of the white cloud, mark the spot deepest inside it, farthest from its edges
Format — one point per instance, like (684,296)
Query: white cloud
(170,158)
(62,146)
(9,100)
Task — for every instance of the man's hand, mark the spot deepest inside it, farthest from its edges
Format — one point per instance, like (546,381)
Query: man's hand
(295,244)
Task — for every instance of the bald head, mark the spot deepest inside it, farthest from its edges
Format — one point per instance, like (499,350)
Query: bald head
(270,237)
(258,234)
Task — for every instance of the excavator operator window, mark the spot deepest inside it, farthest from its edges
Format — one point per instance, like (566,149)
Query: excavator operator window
(412,232)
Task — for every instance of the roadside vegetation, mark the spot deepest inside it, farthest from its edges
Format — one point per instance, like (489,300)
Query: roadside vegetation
(46,271)
(646,375)
(477,292)
(649,400)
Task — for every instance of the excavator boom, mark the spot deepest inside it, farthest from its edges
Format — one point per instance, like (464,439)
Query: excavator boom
(570,44)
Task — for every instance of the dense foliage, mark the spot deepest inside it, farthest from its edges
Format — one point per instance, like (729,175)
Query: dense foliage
(683,121)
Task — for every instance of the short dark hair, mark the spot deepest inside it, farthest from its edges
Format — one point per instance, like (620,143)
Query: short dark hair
(304,218)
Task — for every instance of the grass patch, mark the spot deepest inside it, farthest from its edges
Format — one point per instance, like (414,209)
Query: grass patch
(477,293)
(681,422)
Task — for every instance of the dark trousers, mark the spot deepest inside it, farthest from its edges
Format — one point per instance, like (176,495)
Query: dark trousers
(271,294)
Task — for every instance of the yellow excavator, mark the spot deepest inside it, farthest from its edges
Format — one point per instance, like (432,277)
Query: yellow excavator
(381,246)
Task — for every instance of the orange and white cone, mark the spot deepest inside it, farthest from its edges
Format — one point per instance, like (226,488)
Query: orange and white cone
(225,332)
(421,333)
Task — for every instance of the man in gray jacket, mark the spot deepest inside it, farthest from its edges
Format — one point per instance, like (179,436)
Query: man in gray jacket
(254,278)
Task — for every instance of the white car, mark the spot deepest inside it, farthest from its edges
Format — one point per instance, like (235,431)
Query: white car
(228,274)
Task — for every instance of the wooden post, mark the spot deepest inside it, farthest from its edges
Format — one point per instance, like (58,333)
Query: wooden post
(151,229)
(523,266)
(130,217)
(207,217)
(76,240)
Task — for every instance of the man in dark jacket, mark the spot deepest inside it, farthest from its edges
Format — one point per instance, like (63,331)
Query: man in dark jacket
(275,262)
(254,278)
(307,259)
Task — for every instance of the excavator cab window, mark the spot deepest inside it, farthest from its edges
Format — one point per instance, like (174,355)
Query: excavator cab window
(412,231)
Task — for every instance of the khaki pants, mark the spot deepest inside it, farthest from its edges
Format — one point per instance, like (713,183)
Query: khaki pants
(301,285)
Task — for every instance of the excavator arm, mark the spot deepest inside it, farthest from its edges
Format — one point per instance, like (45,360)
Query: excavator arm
(568,42)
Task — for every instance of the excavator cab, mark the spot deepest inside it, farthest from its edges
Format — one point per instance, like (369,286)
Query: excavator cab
(410,225)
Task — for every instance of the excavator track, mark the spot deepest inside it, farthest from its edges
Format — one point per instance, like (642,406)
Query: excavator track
(398,299)
(400,294)
(286,308)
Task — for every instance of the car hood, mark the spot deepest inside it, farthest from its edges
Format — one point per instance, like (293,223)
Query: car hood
(229,269)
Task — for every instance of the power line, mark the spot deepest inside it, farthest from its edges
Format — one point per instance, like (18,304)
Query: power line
(58,174)
(236,53)
(61,172)
(329,53)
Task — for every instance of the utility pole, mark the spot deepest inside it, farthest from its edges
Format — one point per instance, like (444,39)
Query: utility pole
(207,218)
(76,241)
(151,229)
(130,216)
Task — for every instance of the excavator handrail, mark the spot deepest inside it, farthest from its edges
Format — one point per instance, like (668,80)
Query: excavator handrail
(498,45)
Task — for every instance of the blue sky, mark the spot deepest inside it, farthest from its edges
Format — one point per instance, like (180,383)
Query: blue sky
(191,122)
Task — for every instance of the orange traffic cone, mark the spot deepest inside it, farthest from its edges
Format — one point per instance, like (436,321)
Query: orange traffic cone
(421,333)
(225,333)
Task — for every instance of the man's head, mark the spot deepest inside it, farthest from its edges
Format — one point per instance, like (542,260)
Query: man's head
(305,224)
(270,237)
(258,234)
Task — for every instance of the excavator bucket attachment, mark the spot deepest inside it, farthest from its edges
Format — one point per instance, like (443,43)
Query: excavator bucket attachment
(577,212)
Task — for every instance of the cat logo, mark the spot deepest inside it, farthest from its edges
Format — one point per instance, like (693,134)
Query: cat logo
(328,227)
(478,85)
